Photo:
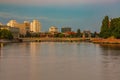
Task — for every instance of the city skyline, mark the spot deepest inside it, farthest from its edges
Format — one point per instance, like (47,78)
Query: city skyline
(83,14)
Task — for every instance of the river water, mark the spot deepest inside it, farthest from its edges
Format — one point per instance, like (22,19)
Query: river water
(59,61)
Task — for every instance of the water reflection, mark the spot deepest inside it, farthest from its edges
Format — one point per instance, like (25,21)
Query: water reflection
(112,50)
(0,51)
(1,45)
(110,46)
(59,61)
(110,64)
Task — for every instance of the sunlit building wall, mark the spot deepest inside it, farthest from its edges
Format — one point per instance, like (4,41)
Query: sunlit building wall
(53,29)
(35,26)
(22,26)
(12,23)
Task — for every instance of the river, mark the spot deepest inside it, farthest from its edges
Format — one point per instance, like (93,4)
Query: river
(59,61)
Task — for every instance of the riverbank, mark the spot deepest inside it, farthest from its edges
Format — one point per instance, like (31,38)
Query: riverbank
(54,39)
(106,41)
(94,40)
(10,41)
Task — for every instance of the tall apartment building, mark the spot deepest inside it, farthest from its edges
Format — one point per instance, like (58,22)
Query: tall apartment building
(35,26)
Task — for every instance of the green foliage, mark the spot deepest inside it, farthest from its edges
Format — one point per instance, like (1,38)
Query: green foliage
(28,34)
(94,35)
(115,27)
(105,30)
(112,30)
(21,35)
(5,34)
(34,35)
(78,34)
(0,33)
(59,35)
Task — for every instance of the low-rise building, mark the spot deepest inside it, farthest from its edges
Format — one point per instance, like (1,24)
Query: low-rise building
(65,29)
(86,34)
(53,29)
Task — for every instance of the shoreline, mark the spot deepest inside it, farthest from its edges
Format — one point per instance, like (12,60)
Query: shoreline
(10,41)
(93,40)
(106,41)
(53,39)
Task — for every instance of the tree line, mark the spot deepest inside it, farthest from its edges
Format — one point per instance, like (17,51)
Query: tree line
(5,34)
(110,28)
(58,34)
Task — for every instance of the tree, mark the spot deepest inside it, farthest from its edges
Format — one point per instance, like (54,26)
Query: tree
(28,34)
(5,34)
(116,32)
(115,27)
(112,28)
(105,29)
(0,33)
(94,35)
(60,35)
(78,33)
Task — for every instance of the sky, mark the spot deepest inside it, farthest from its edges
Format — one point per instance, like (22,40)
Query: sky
(77,14)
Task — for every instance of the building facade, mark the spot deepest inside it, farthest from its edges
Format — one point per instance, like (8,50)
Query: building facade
(86,34)
(53,29)
(23,27)
(65,29)
(12,23)
(27,25)
(35,26)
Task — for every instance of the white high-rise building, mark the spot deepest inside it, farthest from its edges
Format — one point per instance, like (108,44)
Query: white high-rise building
(35,26)
(12,23)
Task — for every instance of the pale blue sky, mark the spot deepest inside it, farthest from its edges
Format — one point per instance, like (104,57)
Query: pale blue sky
(83,14)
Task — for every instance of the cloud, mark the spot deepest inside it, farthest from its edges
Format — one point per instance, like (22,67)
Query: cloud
(8,16)
(58,2)
(46,21)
